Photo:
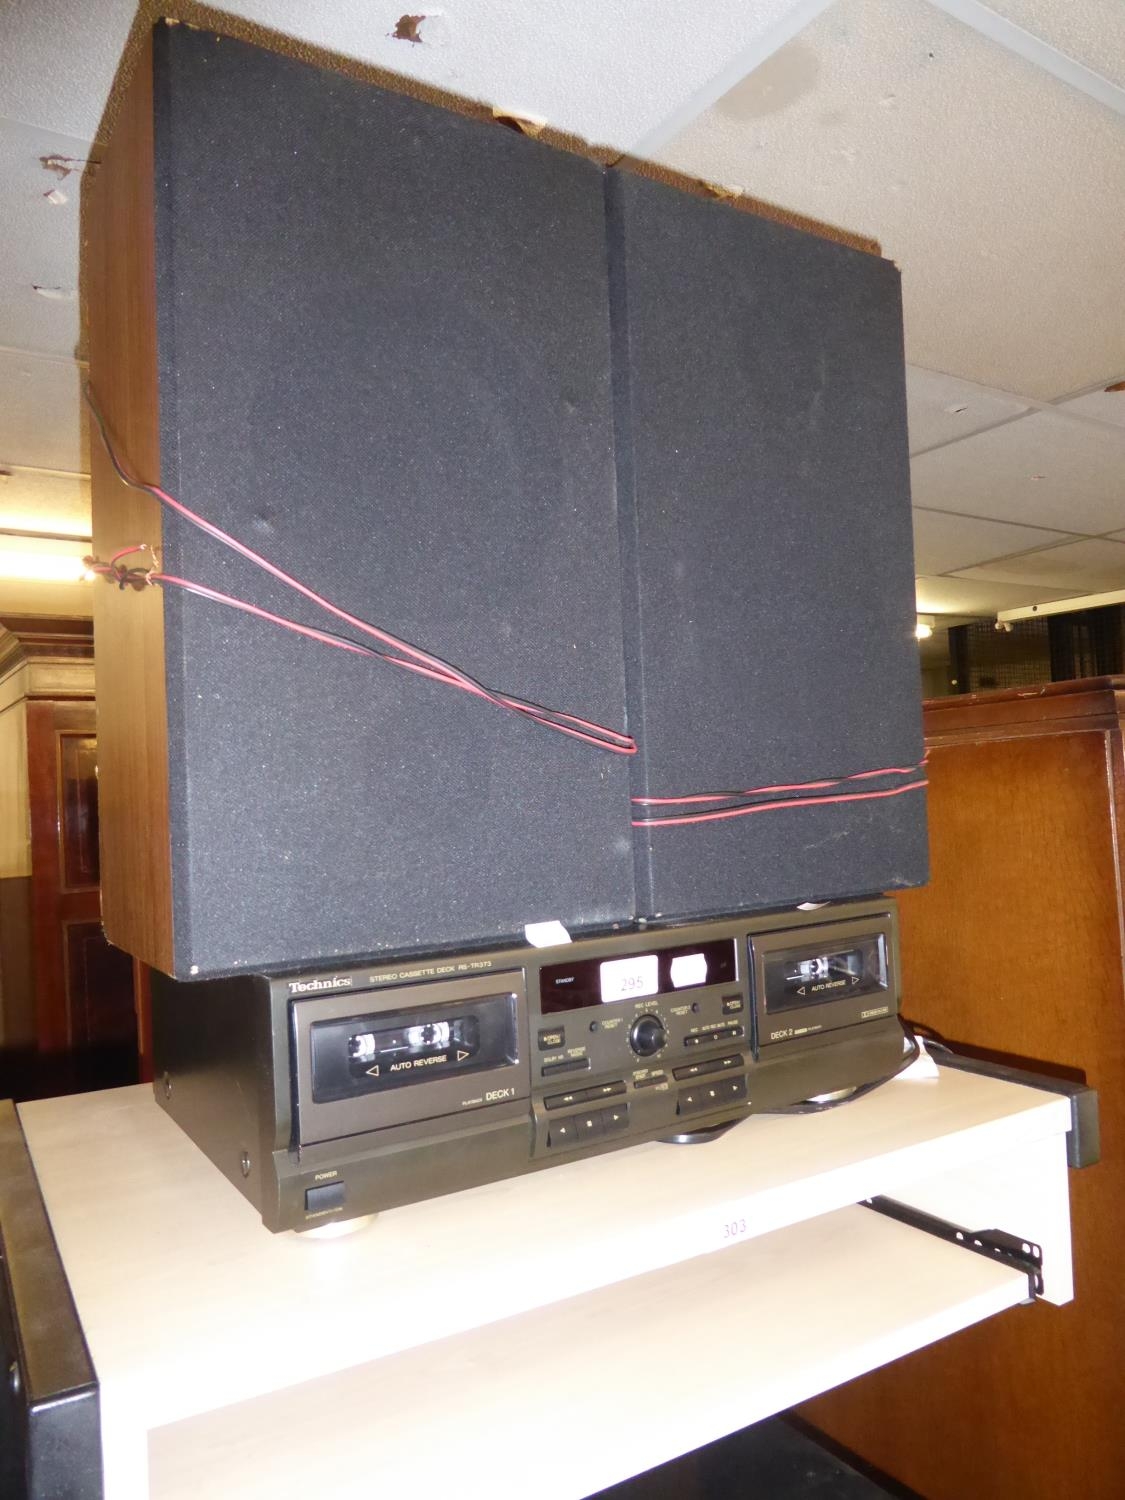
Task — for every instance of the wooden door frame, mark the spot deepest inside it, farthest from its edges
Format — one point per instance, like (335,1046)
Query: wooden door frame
(47,722)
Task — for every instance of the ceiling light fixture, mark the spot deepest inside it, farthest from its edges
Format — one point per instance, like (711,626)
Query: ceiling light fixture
(34,533)
(42,569)
(1060,606)
(42,561)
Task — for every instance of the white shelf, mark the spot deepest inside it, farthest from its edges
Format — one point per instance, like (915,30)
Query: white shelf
(191,1308)
(584,1393)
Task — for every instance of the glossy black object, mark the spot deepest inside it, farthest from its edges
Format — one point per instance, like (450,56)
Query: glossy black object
(50,1436)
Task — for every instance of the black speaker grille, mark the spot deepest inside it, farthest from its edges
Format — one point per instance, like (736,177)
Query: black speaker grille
(764,493)
(385,364)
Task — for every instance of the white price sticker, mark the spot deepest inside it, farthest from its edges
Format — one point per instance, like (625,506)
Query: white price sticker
(629,978)
(689,969)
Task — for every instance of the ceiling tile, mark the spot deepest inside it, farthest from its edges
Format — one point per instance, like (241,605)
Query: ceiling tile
(608,73)
(40,417)
(1087,566)
(1090,31)
(975,596)
(941,408)
(996,188)
(943,543)
(1103,406)
(41,245)
(1045,469)
(58,61)
(20,596)
(40,500)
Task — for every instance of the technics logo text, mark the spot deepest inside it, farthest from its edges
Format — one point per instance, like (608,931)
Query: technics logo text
(306,986)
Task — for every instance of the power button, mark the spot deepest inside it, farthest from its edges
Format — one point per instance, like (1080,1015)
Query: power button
(320,1200)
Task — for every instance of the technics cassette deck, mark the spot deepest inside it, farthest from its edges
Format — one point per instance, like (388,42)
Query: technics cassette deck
(329,1095)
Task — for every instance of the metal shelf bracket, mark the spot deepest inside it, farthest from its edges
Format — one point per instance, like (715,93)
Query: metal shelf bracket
(997,1244)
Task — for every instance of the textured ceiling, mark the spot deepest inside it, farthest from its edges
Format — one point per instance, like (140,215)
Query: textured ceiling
(944,543)
(40,413)
(28,495)
(1086,566)
(973,596)
(608,73)
(1103,406)
(1090,31)
(998,187)
(1033,504)
(39,210)
(1045,469)
(941,409)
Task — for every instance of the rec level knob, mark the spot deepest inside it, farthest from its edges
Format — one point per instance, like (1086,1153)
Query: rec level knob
(647,1035)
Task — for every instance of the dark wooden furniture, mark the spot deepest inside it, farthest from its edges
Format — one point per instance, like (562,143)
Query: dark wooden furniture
(50,1443)
(1015,947)
(66,994)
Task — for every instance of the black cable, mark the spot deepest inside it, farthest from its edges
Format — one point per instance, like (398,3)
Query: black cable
(932,1038)
(819,1106)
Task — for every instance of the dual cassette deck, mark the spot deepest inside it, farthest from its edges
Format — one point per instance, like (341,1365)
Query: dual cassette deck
(333,1094)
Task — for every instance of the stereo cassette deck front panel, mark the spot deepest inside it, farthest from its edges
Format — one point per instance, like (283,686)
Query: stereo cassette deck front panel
(346,1092)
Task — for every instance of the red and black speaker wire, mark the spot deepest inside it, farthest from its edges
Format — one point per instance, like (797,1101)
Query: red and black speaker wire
(400,653)
(655,812)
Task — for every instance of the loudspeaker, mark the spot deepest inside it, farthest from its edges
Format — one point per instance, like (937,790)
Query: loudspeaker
(369,338)
(763,487)
(598,444)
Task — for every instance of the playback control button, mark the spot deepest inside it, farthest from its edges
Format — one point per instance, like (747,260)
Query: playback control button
(605,1090)
(568,1065)
(564,1101)
(705,1038)
(563,1132)
(703,1097)
(711,1065)
(584,1096)
(576,1130)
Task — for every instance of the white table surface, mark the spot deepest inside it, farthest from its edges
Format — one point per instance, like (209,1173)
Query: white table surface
(194,1313)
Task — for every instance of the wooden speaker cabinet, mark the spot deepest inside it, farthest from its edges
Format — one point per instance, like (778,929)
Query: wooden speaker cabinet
(368,338)
(627,453)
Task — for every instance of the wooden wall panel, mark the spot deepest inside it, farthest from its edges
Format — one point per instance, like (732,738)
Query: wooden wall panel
(17,1002)
(15,840)
(1015,947)
(85,1027)
(54,901)
(142,1004)
(17,974)
(99,989)
(78,810)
